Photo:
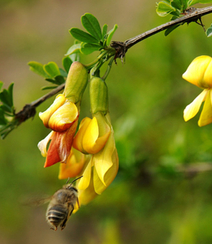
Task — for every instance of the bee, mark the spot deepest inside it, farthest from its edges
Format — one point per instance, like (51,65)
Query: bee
(61,205)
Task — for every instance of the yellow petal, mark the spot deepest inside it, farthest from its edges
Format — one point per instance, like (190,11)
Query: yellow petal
(63,117)
(42,145)
(206,114)
(84,182)
(196,72)
(73,165)
(192,109)
(77,144)
(87,195)
(45,116)
(208,75)
(108,177)
(103,160)
(93,142)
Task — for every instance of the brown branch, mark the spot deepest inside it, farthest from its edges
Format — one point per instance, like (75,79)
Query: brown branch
(194,16)
(29,110)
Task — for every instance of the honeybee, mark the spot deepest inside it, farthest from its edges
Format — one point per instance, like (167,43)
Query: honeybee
(61,205)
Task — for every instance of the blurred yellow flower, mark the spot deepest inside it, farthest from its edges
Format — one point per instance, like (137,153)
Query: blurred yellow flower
(199,73)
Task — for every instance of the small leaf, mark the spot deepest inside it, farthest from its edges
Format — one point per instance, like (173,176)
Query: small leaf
(110,34)
(6,96)
(164,8)
(104,30)
(38,69)
(48,87)
(209,31)
(3,120)
(1,85)
(57,80)
(67,63)
(73,49)
(10,94)
(51,69)
(82,36)
(63,73)
(88,48)
(91,24)
(170,29)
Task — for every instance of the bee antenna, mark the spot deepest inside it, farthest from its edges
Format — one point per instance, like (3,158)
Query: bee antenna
(68,180)
(76,179)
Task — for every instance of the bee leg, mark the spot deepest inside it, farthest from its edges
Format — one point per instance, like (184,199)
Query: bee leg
(78,203)
(63,225)
(71,212)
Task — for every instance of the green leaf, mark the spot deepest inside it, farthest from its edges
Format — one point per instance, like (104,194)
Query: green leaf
(82,36)
(91,24)
(3,120)
(73,49)
(177,4)
(63,73)
(88,48)
(209,31)
(67,63)
(58,80)
(110,34)
(51,69)
(164,8)
(170,29)
(38,69)
(1,85)
(6,96)
(48,87)
(104,30)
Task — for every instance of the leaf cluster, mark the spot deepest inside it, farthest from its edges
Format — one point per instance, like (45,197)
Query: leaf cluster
(93,39)
(177,8)
(51,72)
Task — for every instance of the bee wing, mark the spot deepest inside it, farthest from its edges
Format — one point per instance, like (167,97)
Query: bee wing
(36,201)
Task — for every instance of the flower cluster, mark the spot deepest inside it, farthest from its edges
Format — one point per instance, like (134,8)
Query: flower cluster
(90,152)
(199,73)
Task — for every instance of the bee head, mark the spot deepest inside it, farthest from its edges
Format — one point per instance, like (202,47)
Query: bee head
(70,185)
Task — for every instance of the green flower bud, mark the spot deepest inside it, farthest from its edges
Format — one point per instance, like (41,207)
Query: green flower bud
(76,82)
(98,95)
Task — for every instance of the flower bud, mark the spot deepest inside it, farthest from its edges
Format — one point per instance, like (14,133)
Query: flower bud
(76,82)
(98,95)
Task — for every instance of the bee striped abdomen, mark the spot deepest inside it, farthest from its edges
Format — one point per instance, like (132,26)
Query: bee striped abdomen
(56,215)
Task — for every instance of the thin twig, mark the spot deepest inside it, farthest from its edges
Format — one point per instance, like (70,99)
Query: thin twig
(196,15)
(29,110)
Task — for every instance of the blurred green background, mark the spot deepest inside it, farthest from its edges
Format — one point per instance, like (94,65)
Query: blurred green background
(157,196)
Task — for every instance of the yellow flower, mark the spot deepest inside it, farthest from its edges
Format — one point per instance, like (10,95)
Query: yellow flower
(92,134)
(199,73)
(102,168)
(62,117)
